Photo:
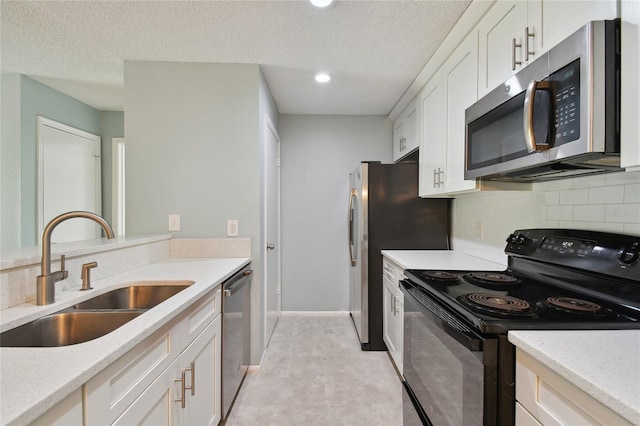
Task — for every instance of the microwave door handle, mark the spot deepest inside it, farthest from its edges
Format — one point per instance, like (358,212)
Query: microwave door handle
(529,100)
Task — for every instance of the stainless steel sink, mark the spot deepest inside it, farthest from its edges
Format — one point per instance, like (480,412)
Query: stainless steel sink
(133,297)
(92,318)
(66,328)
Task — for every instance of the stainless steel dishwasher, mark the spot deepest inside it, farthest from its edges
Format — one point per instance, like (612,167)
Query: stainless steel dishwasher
(236,305)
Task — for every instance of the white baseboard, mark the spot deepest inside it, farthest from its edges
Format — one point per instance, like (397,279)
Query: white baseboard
(314,313)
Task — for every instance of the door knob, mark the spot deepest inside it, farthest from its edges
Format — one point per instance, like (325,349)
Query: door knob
(271,246)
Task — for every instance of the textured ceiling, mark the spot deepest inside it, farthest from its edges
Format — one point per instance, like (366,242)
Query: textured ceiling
(373,49)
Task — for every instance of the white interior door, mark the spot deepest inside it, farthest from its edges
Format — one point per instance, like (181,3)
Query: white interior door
(272,227)
(69,178)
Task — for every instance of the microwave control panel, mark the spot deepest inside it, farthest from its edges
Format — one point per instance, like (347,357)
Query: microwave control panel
(566,86)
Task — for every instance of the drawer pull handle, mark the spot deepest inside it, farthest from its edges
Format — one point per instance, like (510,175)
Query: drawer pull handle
(193,378)
(182,380)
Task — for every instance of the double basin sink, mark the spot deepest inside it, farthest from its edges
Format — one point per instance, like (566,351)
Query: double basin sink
(91,318)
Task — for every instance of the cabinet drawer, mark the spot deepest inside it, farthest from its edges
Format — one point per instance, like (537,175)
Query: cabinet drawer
(110,392)
(391,271)
(553,400)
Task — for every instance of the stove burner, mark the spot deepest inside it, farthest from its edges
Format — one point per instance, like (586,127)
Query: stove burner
(441,277)
(492,280)
(570,307)
(497,304)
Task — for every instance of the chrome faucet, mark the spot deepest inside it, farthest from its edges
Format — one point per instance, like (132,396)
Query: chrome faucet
(45,285)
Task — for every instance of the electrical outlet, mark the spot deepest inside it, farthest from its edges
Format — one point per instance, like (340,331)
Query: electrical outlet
(174,222)
(232,228)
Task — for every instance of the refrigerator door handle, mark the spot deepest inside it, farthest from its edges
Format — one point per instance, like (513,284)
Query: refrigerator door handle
(351,239)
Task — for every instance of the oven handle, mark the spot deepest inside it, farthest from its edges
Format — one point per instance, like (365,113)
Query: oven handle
(444,320)
(529,98)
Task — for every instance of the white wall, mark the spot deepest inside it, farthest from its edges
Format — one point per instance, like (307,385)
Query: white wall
(317,155)
(193,148)
(608,202)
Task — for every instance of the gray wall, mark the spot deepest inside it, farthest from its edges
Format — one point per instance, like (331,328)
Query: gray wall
(23,99)
(10,196)
(193,148)
(317,155)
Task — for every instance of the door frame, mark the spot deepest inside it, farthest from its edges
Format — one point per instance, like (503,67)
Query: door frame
(118,186)
(270,128)
(41,123)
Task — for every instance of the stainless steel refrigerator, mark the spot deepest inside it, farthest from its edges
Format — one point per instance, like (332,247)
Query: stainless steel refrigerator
(385,213)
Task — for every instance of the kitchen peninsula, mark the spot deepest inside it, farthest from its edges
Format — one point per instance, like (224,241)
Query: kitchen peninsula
(36,379)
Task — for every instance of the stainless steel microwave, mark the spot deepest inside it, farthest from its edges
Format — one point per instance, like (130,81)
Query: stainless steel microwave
(558,117)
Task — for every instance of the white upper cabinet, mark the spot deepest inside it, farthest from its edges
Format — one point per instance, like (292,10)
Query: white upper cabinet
(561,18)
(433,138)
(516,32)
(630,103)
(506,31)
(460,74)
(443,102)
(406,131)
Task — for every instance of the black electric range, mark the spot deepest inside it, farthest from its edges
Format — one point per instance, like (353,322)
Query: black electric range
(556,279)
(456,322)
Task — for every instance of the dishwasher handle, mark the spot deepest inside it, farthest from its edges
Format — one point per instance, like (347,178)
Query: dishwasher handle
(237,282)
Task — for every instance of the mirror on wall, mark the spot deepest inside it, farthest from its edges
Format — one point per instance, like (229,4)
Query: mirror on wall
(23,100)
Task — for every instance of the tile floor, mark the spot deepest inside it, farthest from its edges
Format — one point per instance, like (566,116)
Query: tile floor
(314,373)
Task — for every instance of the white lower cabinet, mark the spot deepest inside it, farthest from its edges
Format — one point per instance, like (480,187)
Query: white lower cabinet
(171,378)
(66,412)
(187,392)
(546,398)
(392,313)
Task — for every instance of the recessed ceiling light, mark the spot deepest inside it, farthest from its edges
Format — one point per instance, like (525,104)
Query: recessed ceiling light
(323,77)
(322,4)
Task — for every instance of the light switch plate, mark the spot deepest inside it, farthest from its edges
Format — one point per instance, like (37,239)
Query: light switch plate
(174,222)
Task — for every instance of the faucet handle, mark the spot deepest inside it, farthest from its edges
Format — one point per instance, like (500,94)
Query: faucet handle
(86,275)
(62,273)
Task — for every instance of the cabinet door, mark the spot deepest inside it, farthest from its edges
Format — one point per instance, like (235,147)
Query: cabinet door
(498,60)
(398,137)
(393,321)
(630,58)
(561,18)
(157,405)
(433,140)
(202,361)
(412,128)
(459,74)
(67,412)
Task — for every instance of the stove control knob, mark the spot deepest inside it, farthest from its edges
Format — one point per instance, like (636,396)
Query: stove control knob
(629,256)
(511,239)
(521,240)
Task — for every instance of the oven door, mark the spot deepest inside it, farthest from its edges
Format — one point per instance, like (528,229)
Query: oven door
(450,370)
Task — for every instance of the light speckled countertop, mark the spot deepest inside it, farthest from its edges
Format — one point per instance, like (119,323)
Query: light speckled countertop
(35,379)
(440,260)
(603,363)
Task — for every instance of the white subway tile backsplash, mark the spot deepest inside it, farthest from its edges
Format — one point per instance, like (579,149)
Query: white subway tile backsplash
(622,213)
(590,213)
(632,193)
(622,178)
(574,196)
(608,202)
(606,195)
(552,198)
(616,228)
(559,212)
(589,181)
